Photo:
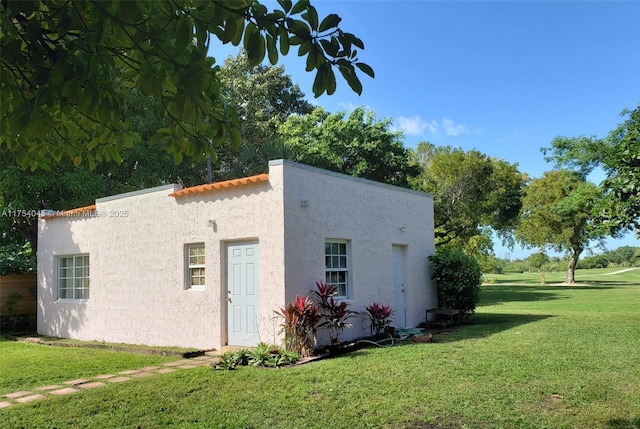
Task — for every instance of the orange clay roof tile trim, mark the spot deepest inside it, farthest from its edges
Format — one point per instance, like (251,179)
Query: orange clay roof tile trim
(220,185)
(70,213)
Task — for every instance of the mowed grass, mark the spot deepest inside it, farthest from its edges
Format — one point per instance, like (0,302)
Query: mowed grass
(532,356)
(25,366)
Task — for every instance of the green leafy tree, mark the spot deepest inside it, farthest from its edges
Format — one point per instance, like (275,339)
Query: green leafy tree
(596,261)
(624,256)
(537,261)
(358,145)
(618,211)
(68,65)
(480,247)
(264,97)
(556,213)
(64,186)
(471,192)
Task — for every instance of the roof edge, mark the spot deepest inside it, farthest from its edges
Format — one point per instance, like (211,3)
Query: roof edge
(139,192)
(221,185)
(70,213)
(286,162)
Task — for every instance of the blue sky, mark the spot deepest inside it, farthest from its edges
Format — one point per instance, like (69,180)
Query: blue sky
(501,77)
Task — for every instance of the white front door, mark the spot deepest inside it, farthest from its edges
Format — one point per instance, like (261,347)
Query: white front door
(398,286)
(242,289)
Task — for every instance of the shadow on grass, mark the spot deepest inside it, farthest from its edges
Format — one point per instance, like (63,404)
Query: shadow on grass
(492,295)
(589,281)
(624,423)
(482,325)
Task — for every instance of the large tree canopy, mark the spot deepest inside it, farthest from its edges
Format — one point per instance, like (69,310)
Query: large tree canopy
(618,155)
(68,65)
(556,213)
(264,97)
(64,186)
(471,192)
(359,145)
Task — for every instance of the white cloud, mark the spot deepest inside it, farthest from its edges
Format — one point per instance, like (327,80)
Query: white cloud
(453,129)
(348,107)
(415,126)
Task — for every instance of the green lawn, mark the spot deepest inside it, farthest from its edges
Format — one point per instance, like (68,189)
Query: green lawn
(25,366)
(532,356)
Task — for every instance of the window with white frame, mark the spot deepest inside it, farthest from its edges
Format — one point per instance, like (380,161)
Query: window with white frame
(195,266)
(73,277)
(336,264)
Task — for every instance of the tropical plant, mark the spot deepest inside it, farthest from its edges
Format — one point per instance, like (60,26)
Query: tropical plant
(271,356)
(458,278)
(334,314)
(300,325)
(232,359)
(266,355)
(379,317)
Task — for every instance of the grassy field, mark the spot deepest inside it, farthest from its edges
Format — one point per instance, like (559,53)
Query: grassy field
(532,356)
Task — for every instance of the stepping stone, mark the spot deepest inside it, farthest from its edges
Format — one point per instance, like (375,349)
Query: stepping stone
(129,372)
(30,398)
(149,368)
(92,385)
(76,382)
(17,394)
(142,374)
(64,391)
(173,363)
(187,366)
(165,370)
(103,376)
(118,379)
(5,404)
(45,388)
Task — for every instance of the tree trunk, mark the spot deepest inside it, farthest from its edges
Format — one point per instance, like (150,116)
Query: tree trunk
(542,279)
(571,269)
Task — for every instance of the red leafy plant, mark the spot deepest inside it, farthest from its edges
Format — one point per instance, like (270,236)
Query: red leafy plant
(379,317)
(334,314)
(300,325)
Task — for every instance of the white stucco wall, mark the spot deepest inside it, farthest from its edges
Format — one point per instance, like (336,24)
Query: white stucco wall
(137,263)
(137,259)
(370,216)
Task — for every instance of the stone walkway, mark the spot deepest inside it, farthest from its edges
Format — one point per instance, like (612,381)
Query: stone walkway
(74,386)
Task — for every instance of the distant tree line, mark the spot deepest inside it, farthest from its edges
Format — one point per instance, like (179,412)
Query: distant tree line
(625,256)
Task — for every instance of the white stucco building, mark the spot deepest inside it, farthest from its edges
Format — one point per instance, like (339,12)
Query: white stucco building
(209,265)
